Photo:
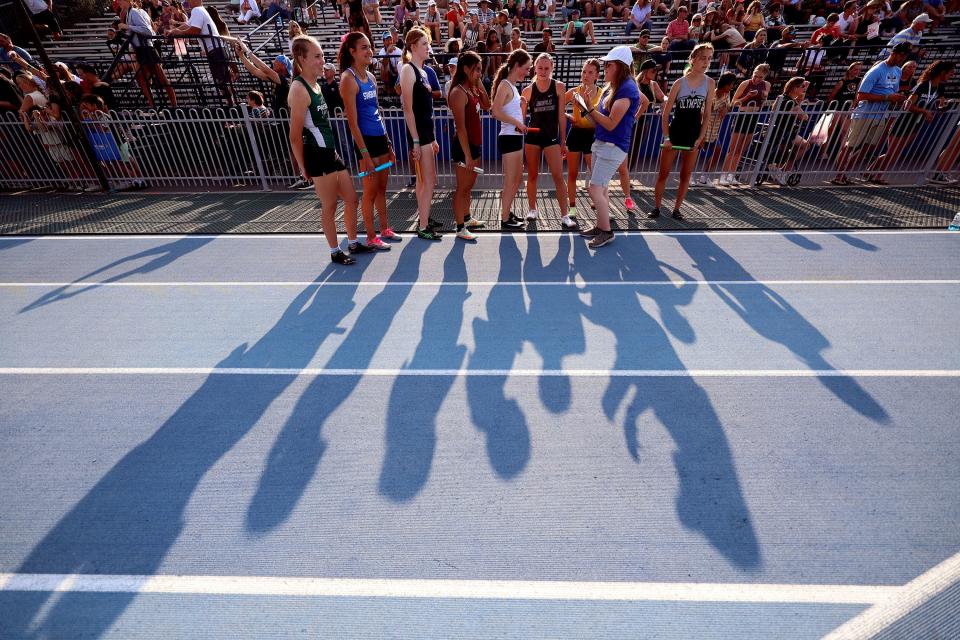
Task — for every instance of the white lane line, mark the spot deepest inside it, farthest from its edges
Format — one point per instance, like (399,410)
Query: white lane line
(447,589)
(317,236)
(916,597)
(476,283)
(513,373)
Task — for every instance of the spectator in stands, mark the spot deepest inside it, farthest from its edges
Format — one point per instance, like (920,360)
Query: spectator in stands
(64,73)
(641,51)
(201,24)
(38,75)
(90,82)
(777,53)
(831,31)
(736,17)
(867,30)
(513,11)
(936,10)
(796,11)
(139,25)
(279,73)
(485,14)
(330,87)
(846,88)
(293,30)
(451,71)
(619,9)
(249,12)
(749,98)
(471,33)
(493,59)
(722,104)
(753,53)
(546,43)
(371,10)
(785,144)
(679,32)
(502,26)
(947,161)
(256,106)
(907,13)
(33,97)
(389,56)
(925,99)
(696,32)
(527,14)
(754,21)
(774,22)
(455,17)
(73,91)
(432,20)
(726,39)
(11,97)
(273,9)
(43,18)
(543,10)
(911,35)
(516,41)
(868,125)
(640,17)
(6,47)
(577,31)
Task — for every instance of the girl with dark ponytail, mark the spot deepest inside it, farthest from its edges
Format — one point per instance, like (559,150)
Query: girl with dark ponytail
(506,109)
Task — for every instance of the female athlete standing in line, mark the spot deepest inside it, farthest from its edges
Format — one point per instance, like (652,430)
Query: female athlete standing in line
(545,103)
(615,117)
(690,100)
(314,147)
(467,96)
(507,109)
(415,94)
(581,134)
(358,88)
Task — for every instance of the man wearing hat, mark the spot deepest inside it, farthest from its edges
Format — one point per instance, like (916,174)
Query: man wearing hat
(910,35)
(641,50)
(330,87)
(451,70)
(485,15)
(432,20)
(878,89)
(389,62)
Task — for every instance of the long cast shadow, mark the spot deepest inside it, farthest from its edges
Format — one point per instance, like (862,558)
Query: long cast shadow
(128,522)
(159,257)
(498,340)
(710,499)
(415,401)
(771,316)
(298,449)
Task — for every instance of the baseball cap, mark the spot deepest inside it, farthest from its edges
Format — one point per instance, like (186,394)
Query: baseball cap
(285,61)
(648,64)
(432,3)
(387,34)
(452,62)
(620,54)
(924,18)
(644,32)
(329,66)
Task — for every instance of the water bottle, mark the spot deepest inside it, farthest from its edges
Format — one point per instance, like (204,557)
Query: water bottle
(955,225)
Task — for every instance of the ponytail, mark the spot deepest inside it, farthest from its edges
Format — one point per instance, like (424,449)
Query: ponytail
(414,35)
(517,58)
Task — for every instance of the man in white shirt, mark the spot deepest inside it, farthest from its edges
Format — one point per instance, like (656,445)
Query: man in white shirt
(201,24)
(389,63)
(138,24)
(43,18)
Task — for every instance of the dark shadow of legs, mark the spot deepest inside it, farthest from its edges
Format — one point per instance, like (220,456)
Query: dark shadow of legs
(856,242)
(710,499)
(499,339)
(771,316)
(296,453)
(128,522)
(160,257)
(415,401)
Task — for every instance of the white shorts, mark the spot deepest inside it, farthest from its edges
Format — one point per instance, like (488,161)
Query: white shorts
(607,158)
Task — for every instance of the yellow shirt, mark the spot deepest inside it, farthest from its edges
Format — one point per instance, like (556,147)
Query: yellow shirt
(580,120)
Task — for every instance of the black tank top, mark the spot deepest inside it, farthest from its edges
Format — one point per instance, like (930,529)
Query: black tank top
(543,109)
(848,91)
(422,104)
(647,91)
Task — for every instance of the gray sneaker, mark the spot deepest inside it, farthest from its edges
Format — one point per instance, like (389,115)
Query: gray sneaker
(602,238)
(592,232)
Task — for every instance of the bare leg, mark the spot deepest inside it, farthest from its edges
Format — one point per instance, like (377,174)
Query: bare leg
(687,161)
(666,164)
(573,169)
(327,190)
(533,170)
(555,165)
(512,177)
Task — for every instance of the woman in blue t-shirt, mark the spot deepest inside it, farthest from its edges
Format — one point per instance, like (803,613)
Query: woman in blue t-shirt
(690,102)
(614,116)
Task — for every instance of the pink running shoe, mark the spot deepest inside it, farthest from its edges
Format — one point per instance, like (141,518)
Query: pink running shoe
(629,205)
(378,244)
(389,234)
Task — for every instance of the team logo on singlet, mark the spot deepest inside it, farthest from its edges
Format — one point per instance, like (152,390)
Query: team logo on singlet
(692,101)
(370,95)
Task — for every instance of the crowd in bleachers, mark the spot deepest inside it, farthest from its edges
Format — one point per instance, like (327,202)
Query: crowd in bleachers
(154,45)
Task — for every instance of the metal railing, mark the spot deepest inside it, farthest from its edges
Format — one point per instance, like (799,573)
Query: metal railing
(231,149)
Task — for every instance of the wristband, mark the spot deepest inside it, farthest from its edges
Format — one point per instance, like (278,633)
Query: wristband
(416,142)
(363,151)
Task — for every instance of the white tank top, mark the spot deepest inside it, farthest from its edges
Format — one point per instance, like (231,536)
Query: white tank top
(512,110)
(39,100)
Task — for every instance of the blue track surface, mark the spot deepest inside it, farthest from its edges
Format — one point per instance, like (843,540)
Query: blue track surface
(845,480)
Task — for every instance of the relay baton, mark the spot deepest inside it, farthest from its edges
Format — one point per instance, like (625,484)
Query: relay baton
(385,165)
(533,129)
(475,169)
(678,147)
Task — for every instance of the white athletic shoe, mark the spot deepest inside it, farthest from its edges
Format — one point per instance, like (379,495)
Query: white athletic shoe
(725,180)
(532,214)
(702,179)
(568,222)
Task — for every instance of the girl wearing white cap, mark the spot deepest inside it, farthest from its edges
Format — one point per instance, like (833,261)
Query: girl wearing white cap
(614,116)
(690,102)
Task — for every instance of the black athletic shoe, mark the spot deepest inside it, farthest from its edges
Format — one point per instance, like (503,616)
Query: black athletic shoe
(341,258)
(521,221)
(677,215)
(511,224)
(654,214)
(359,247)
(428,234)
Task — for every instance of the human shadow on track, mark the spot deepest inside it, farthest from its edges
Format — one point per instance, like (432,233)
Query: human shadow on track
(298,449)
(10,243)
(128,522)
(856,242)
(554,325)
(499,339)
(710,499)
(415,401)
(771,316)
(159,257)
